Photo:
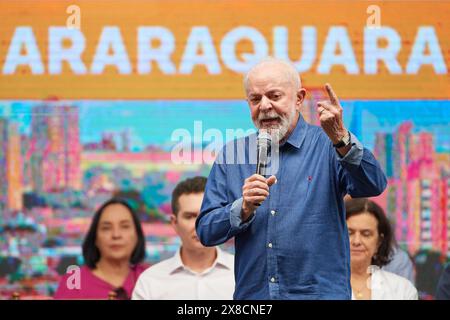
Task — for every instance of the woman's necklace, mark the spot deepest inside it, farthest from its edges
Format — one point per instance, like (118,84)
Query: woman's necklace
(359,292)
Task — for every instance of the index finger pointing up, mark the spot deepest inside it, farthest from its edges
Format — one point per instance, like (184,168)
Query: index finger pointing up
(333,97)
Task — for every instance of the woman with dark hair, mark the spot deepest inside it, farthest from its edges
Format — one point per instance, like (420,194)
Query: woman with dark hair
(113,250)
(371,243)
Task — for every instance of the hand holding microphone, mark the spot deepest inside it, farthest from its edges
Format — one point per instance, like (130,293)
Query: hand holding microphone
(256,187)
(254,192)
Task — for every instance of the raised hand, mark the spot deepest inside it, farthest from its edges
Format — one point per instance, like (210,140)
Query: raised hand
(330,116)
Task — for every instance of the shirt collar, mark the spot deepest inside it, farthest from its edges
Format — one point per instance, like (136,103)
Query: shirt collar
(177,263)
(297,136)
(221,259)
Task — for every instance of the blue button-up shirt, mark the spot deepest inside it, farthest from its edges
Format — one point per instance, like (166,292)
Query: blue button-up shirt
(296,245)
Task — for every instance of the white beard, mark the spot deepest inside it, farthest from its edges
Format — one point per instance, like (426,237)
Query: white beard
(280,130)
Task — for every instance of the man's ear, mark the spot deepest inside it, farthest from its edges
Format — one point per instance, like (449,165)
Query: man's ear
(300,98)
(173,220)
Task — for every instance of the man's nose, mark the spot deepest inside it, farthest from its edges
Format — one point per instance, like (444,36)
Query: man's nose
(192,225)
(265,104)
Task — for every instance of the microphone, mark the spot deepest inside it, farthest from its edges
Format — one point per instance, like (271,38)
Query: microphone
(263,152)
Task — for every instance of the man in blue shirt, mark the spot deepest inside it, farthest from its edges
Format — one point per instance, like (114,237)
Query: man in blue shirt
(291,238)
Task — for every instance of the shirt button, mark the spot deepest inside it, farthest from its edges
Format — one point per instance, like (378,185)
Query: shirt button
(273,212)
(270,244)
(272,279)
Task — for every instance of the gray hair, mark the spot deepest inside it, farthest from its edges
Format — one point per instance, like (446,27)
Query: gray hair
(291,71)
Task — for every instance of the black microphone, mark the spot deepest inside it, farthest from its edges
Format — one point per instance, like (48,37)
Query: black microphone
(263,154)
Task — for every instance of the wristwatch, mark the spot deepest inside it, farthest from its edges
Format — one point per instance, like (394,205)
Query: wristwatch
(345,141)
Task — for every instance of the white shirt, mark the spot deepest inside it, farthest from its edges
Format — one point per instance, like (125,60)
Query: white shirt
(171,280)
(386,285)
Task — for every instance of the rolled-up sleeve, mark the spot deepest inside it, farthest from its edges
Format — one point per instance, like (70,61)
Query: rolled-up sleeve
(359,172)
(236,217)
(220,217)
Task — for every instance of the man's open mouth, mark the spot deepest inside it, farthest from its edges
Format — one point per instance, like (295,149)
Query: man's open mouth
(270,121)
